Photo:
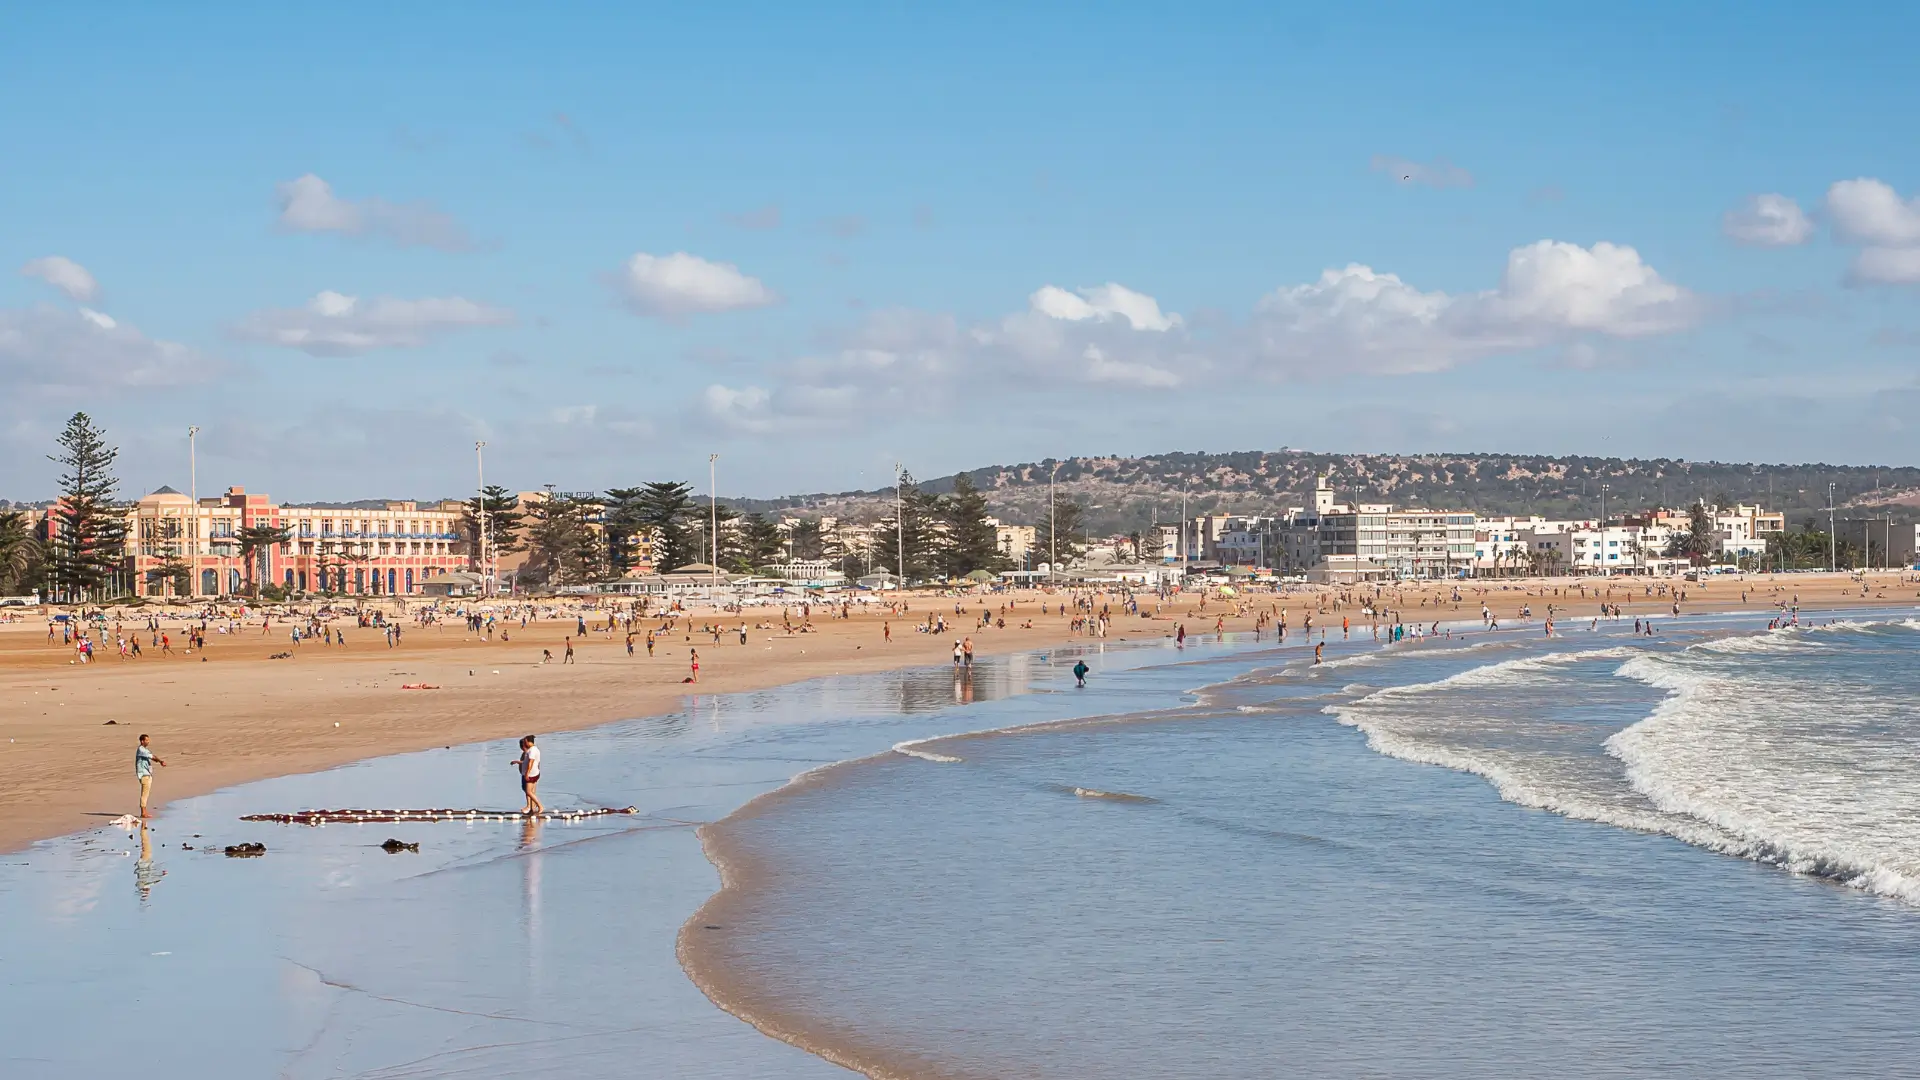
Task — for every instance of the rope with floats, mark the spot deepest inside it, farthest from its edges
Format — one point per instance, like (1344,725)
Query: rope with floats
(350,817)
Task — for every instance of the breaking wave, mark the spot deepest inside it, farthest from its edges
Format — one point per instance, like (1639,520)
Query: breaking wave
(1746,754)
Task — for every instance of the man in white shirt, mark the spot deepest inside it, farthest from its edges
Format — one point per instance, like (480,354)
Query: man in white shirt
(143,763)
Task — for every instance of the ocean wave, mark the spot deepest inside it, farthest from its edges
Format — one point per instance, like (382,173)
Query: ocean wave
(1114,796)
(1742,757)
(1506,672)
(909,749)
(1765,762)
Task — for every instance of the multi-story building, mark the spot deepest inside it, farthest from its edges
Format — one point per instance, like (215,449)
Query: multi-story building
(369,550)
(1015,541)
(1337,541)
(1880,541)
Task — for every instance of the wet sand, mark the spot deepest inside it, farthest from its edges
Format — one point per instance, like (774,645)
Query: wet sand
(230,715)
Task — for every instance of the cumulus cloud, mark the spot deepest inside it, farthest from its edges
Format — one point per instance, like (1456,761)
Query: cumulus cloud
(677,285)
(1551,293)
(1555,297)
(1871,214)
(744,408)
(1438,173)
(334,324)
(64,274)
(1768,221)
(308,204)
(51,349)
(1109,301)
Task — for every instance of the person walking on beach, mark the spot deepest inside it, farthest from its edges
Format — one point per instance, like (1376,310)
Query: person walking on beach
(695,677)
(1080,673)
(956,653)
(568,658)
(529,765)
(143,763)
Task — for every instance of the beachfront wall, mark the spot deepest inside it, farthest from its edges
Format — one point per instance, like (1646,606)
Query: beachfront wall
(360,551)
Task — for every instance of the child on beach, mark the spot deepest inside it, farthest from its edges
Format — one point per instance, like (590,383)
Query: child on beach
(529,765)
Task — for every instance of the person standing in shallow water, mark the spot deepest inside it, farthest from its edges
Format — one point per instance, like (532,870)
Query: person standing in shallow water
(529,765)
(1080,673)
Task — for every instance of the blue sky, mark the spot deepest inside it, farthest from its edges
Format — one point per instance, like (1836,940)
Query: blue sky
(609,241)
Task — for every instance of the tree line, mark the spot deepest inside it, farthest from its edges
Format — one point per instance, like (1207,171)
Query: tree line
(574,538)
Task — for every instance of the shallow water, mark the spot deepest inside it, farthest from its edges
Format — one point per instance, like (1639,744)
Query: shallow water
(494,951)
(1267,878)
(1292,888)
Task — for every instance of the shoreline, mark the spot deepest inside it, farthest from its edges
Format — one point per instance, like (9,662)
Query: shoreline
(275,725)
(236,717)
(719,979)
(701,948)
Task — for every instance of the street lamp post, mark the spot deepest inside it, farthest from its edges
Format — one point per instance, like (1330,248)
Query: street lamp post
(1183,533)
(193,523)
(713,501)
(1603,529)
(900,522)
(1833,540)
(480,501)
(1053,540)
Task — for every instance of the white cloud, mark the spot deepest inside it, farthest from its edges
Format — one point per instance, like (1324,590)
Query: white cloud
(46,348)
(1439,173)
(744,409)
(308,204)
(1886,266)
(334,324)
(1551,293)
(1768,221)
(1102,369)
(64,274)
(1562,299)
(1108,301)
(1551,288)
(1870,213)
(676,285)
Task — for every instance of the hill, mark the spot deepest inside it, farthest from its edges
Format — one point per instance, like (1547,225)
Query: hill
(1128,493)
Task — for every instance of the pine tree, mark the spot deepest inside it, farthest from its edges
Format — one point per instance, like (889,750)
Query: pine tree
(760,542)
(728,551)
(1066,526)
(90,532)
(561,546)
(664,511)
(503,521)
(968,542)
(909,531)
(807,539)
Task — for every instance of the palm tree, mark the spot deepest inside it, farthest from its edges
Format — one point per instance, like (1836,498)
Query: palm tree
(19,551)
(254,539)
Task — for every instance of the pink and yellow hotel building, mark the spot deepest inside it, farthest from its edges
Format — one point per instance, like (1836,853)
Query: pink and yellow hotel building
(384,551)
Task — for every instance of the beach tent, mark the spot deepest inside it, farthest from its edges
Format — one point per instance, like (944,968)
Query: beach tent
(979,575)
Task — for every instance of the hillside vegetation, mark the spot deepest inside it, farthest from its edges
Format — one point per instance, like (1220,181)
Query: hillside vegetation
(1130,492)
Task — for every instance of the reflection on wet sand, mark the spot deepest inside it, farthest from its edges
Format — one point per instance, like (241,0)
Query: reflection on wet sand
(531,862)
(145,874)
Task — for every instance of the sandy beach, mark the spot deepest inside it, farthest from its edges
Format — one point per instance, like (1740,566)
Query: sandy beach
(228,714)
